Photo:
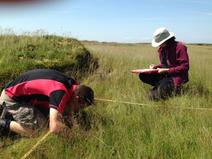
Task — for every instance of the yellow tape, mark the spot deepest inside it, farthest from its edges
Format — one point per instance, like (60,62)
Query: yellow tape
(149,105)
(36,145)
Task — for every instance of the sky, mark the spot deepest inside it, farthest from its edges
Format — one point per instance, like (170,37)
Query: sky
(127,21)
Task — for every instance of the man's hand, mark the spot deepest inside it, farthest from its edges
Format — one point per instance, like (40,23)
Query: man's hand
(162,70)
(56,124)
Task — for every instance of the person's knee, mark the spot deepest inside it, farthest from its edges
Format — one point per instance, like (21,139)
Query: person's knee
(151,79)
(143,77)
(140,76)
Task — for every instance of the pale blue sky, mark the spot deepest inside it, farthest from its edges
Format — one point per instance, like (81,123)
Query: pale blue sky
(113,20)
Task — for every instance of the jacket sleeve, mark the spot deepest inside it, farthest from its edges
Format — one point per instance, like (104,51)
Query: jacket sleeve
(158,66)
(182,60)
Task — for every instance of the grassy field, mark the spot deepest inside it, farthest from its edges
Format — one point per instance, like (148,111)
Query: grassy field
(158,130)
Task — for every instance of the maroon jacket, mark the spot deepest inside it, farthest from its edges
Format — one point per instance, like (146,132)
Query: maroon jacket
(177,61)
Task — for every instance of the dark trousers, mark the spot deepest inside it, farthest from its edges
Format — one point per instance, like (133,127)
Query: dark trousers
(163,86)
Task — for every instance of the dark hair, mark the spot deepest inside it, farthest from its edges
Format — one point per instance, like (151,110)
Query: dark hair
(170,41)
(85,93)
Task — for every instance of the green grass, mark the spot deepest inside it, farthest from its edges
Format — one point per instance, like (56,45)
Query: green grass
(127,131)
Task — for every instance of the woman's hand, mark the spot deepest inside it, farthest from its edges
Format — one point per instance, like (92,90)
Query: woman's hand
(162,70)
(151,66)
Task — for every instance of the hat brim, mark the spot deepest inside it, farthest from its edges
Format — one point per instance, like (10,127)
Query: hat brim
(156,44)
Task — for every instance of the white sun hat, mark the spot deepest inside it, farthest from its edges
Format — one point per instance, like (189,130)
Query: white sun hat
(160,36)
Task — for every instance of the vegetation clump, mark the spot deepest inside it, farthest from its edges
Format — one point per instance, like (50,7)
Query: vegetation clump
(21,53)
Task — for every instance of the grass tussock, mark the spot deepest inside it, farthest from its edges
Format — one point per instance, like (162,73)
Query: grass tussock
(21,53)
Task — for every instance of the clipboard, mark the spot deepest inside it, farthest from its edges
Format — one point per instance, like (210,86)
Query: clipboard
(145,71)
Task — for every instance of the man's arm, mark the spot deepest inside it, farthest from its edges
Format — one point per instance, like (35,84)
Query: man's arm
(56,124)
(19,129)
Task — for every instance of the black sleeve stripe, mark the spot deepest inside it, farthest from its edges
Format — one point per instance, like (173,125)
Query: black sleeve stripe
(56,97)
